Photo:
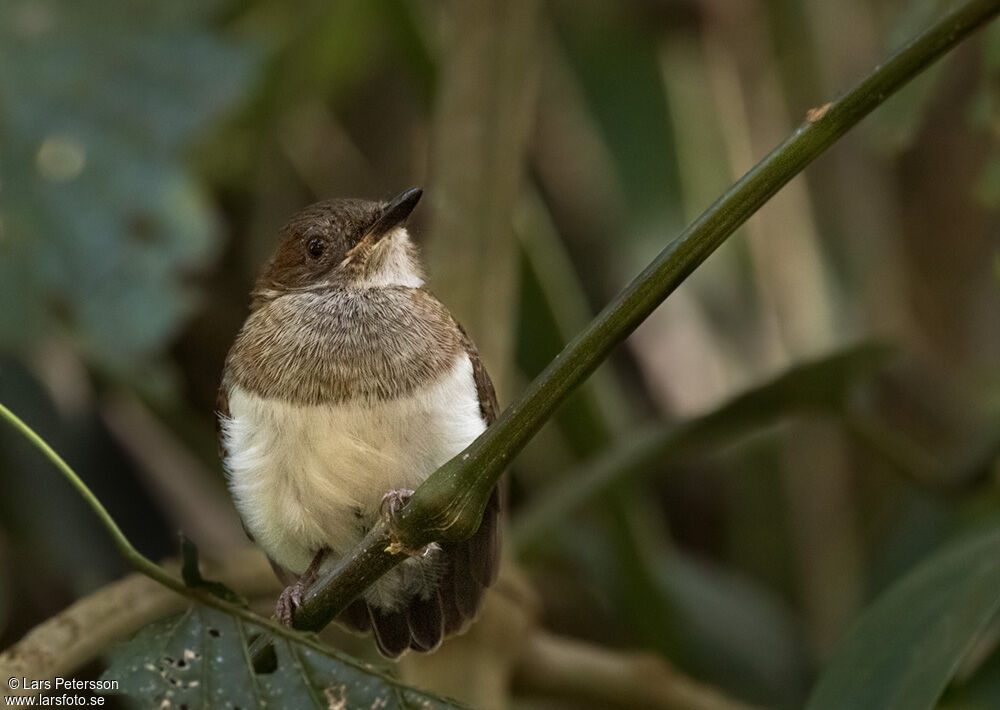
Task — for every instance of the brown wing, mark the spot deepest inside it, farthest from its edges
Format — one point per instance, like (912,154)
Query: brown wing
(484,385)
(484,547)
(473,563)
(221,412)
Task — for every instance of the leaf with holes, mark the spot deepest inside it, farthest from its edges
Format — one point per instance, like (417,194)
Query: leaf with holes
(199,660)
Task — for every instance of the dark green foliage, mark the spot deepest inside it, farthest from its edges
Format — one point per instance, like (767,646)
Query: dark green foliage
(906,646)
(819,386)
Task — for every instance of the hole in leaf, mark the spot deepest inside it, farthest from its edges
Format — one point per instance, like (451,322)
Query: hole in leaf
(214,633)
(267,662)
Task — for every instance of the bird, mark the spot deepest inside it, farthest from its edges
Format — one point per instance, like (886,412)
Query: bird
(348,384)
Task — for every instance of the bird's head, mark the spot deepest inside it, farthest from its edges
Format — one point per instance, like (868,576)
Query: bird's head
(343,243)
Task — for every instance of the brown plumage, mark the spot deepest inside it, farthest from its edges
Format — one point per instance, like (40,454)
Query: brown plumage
(347,380)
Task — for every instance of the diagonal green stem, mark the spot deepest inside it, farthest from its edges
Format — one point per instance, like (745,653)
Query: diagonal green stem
(449,504)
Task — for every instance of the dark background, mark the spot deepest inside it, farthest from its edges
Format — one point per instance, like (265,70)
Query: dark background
(150,151)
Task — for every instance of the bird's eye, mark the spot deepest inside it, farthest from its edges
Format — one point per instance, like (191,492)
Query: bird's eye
(315,247)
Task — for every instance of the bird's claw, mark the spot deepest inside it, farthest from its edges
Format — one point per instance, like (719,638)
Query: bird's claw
(393,501)
(289,600)
(291,596)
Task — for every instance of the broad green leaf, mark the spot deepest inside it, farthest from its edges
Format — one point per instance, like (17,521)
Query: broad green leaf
(982,691)
(913,529)
(100,222)
(819,385)
(906,647)
(198,660)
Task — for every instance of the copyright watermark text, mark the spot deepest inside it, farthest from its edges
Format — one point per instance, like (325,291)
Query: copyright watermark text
(56,692)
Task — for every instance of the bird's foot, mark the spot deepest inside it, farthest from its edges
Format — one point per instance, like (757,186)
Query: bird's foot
(291,596)
(289,600)
(394,501)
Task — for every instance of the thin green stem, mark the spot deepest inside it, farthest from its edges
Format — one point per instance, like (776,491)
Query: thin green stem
(142,564)
(122,542)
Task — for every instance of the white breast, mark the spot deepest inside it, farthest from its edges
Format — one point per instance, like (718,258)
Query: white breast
(308,477)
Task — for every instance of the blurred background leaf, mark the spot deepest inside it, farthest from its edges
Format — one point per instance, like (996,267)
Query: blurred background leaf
(102,222)
(903,650)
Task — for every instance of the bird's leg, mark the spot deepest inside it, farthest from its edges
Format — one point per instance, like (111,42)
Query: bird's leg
(291,597)
(393,501)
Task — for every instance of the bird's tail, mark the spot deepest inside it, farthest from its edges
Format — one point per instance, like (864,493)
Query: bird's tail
(469,567)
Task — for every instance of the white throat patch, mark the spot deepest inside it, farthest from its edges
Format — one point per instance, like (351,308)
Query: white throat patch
(397,268)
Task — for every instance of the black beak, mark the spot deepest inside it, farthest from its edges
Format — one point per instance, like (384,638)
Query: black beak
(396,212)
